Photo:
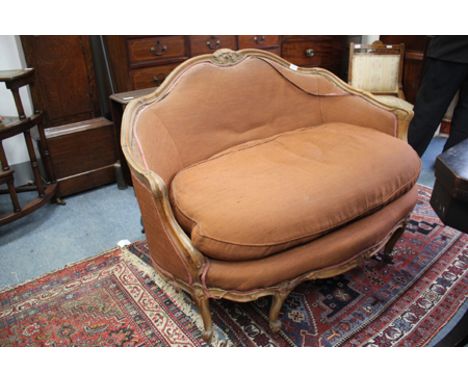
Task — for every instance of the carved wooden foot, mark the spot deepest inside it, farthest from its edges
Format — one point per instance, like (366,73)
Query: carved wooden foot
(276,304)
(60,201)
(204,306)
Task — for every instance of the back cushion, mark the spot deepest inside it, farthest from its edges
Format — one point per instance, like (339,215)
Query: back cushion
(208,108)
(212,108)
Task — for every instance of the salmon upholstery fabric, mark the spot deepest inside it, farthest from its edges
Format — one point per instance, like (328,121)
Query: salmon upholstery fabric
(165,254)
(268,195)
(208,109)
(327,251)
(250,172)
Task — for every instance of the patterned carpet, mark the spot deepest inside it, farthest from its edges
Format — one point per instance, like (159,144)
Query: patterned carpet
(116,299)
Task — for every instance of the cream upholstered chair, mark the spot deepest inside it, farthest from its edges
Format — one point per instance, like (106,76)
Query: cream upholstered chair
(378,69)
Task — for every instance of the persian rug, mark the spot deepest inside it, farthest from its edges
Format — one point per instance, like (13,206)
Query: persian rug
(117,299)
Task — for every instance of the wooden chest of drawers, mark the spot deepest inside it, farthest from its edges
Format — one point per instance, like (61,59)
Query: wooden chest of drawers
(139,62)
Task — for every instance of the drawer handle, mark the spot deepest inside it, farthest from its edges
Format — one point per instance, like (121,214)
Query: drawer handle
(159,78)
(259,39)
(213,43)
(309,52)
(158,49)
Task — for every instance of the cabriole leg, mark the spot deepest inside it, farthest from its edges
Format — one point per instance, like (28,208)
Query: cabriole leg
(276,304)
(204,306)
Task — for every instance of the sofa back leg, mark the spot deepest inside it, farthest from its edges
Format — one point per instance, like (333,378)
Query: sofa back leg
(386,256)
(276,304)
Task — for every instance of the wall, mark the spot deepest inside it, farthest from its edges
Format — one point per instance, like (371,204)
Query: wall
(370,38)
(12,57)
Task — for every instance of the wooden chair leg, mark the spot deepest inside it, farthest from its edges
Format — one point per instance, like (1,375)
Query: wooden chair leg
(204,306)
(276,304)
(386,257)
(13,196)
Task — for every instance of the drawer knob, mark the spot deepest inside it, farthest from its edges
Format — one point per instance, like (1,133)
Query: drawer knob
(159,78)
(259,39)
(158,49)
(309,52)
(213,43)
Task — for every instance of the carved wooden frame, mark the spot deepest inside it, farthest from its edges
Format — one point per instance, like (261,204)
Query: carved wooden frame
(195,260)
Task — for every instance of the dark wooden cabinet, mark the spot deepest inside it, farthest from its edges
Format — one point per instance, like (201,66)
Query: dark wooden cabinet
(139,62)
(65,86)
(82,144)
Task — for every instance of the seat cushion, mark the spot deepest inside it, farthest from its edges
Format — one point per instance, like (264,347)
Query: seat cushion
(268,195)
(326,252)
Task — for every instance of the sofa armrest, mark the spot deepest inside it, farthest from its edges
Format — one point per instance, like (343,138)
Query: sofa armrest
(363,109)
(171,249)
(403,116)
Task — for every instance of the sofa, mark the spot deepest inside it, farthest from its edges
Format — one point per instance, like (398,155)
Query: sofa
(254,175)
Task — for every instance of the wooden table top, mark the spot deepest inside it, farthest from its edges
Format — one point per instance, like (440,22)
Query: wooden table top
(126,97)
(15,74)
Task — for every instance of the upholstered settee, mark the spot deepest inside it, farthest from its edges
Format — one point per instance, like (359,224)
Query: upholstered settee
(253,175)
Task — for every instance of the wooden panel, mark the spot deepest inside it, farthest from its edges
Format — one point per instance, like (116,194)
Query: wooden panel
(87,180)
(415,48)
(65,85)
(324,51)
(258,41)
(156,48)
(81,147)
(150,77)
(117,53)
(208,44)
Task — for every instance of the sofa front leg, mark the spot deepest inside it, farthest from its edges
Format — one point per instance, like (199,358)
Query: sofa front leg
(203,304)
(276,304)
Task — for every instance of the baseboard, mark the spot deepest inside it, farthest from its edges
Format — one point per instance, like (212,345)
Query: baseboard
(23,172)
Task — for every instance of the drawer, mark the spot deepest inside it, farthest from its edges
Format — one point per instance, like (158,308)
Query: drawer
(155,48)
(258,41)
(150,77)
(325,53)
(208,44)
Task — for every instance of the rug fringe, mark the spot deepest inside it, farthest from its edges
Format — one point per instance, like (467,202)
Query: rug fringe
(220,339)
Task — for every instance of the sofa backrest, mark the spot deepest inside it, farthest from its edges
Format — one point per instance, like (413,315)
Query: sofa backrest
(209,106)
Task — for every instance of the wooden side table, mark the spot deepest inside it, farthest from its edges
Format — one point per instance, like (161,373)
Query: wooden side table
(118,102)
(11,126)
